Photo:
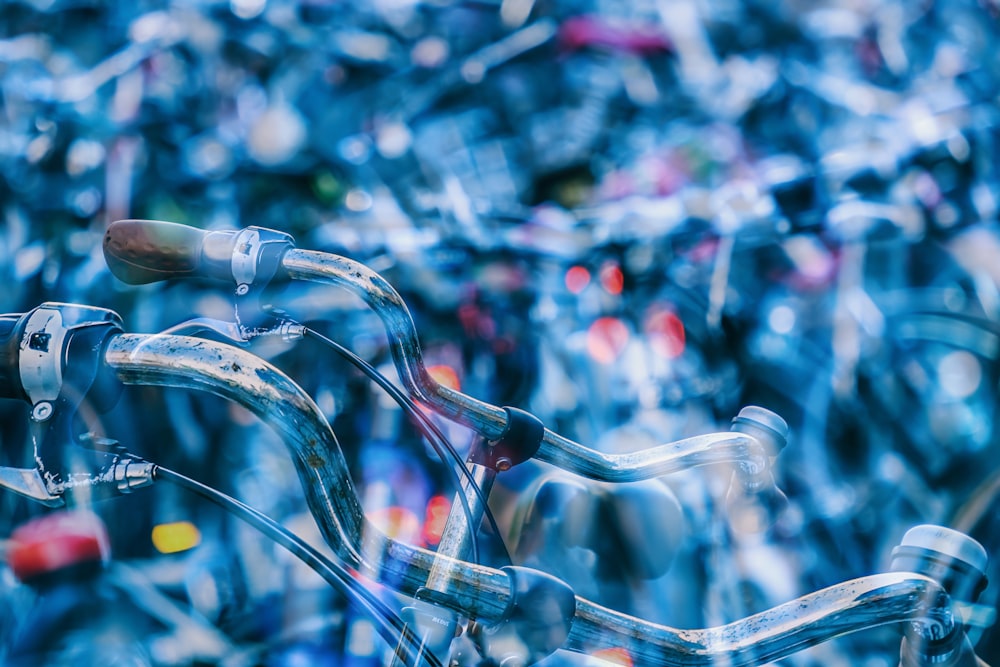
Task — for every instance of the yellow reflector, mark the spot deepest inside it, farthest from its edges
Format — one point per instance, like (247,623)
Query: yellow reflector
(171,538)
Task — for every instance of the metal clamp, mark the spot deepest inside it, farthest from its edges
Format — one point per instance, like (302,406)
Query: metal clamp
(40,358)
(520,440)
(257,255)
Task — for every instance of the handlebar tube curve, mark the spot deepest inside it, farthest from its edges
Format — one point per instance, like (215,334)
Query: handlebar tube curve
(485,593)
(226,371)
(746,451)
(140,251)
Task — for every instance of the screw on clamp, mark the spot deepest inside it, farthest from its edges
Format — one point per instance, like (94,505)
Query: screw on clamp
(42,411)
(519,441)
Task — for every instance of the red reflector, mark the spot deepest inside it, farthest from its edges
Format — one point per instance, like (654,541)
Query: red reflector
(56,541)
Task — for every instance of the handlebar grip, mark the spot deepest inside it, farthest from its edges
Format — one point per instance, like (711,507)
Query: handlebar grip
(146,251)
(755,501)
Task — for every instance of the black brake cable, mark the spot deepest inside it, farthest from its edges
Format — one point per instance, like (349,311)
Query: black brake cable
(390,626)
(434,436)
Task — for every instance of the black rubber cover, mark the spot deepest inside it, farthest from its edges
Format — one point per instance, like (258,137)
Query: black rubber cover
(11,327)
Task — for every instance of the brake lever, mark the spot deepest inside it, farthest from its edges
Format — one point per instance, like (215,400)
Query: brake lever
(121,471)
(28,482)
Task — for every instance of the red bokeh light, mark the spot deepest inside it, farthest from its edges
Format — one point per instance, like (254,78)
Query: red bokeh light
(612,278)
(606,339)
(577,279)
(435,518)
(665,333)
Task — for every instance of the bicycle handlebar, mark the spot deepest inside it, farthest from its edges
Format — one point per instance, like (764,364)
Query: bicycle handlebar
(486,593)
(131,245)
(194,363)
(490,421)
(478,591)
(762,638)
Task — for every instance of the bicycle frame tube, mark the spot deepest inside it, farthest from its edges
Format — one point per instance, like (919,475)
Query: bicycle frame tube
(483,592)
(490,420)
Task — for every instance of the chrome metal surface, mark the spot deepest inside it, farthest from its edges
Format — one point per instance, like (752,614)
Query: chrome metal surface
(246,251)
(490,420)
(456,539)
(28,482)
(848,607)
(41,353)
(130,474)
(482,592)
(193,363)
(42,411)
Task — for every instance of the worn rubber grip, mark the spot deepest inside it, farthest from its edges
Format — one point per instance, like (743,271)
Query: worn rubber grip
(147,251)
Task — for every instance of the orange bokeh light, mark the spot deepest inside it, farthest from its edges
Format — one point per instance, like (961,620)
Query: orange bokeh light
(446,376)
(435,518)
(398,523)
(617,656)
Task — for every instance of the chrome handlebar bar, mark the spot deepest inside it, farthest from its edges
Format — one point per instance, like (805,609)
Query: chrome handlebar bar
(486,593)
(141,251)
(751,455)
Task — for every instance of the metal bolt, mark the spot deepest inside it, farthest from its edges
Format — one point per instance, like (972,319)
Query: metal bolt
(504,464)
(242,289)
(41,411)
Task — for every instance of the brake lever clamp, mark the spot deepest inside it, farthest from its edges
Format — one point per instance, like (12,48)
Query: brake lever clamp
(56,350)
(519,441)
(59,368)
(256,258)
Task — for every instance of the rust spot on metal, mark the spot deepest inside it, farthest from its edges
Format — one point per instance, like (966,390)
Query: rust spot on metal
(315,460)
